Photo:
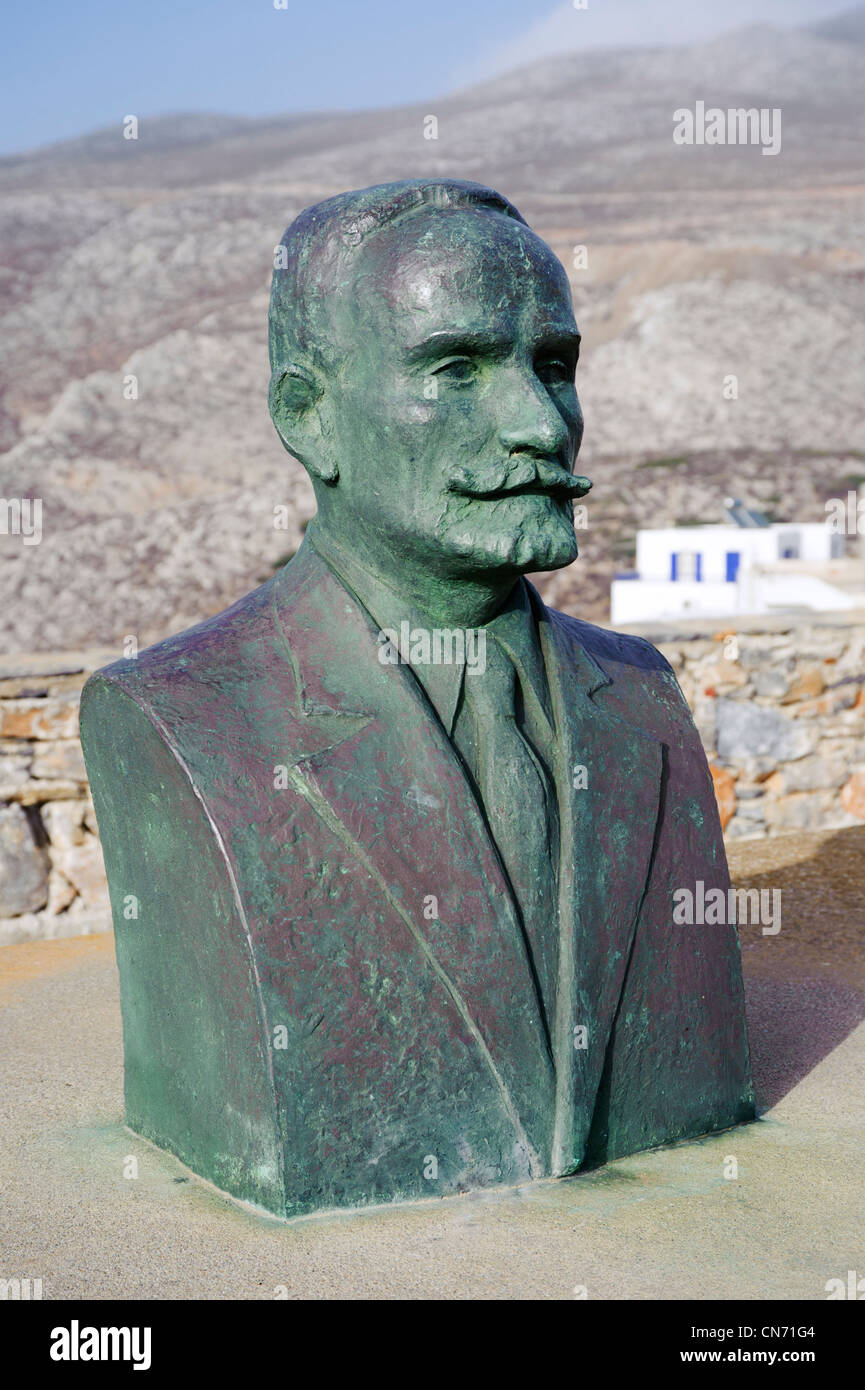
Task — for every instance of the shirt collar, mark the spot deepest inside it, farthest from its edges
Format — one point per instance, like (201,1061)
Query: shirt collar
(441,682)
(513,627)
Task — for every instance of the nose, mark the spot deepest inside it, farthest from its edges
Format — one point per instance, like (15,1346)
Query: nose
(529,418)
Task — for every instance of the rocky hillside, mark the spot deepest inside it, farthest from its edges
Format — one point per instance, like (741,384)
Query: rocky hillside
(134,283)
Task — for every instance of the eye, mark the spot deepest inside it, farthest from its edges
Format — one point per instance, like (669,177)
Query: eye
(457,369)
(555,371)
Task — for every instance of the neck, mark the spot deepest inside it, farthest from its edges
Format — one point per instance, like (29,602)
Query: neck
(449,600)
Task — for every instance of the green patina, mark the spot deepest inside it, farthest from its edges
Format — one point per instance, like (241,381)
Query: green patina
(423,352)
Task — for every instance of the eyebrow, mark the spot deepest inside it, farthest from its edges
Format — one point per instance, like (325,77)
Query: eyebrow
(474,339)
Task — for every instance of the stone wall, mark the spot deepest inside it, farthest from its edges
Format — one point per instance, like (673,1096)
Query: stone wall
(780,705)
(52,880)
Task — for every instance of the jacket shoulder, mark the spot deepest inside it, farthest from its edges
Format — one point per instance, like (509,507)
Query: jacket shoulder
(619,648)
(199,656)
(638,682)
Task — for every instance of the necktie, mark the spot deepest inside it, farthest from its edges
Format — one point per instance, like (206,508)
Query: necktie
(519,802)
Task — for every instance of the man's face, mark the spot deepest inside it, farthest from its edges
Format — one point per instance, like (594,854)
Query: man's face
(453,413)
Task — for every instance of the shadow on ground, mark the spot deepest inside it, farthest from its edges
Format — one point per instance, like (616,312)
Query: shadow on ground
(805,986)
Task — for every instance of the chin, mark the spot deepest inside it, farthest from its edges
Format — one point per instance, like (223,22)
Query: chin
(534,538)
(549,550)
(553,557)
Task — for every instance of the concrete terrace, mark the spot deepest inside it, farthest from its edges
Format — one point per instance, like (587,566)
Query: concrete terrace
(659,1225)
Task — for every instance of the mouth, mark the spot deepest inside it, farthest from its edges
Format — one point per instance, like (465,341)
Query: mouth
(551,494)
(523,478)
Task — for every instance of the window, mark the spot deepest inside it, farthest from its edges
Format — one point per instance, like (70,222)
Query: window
(686,565)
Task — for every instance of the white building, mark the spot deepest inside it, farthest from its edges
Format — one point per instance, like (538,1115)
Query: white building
(718,571)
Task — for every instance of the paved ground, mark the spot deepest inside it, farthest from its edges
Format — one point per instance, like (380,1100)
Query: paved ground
(662,1225)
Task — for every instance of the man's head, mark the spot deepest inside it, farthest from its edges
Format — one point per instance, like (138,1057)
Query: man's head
(423,349)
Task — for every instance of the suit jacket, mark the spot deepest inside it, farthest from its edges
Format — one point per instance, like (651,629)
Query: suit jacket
(327,997)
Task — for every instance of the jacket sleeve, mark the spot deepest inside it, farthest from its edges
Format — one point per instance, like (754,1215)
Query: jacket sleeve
(677,1063)
(195,1043)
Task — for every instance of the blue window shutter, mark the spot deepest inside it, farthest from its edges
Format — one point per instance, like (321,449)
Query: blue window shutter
(733,557)
(673,565)
(699,574)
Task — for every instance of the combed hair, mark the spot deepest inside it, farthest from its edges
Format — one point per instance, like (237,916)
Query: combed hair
(322,238)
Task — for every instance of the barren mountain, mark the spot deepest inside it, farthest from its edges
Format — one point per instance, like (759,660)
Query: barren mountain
(134,283)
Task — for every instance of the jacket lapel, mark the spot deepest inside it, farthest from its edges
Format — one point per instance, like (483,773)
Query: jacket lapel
(376,764)
(607,837)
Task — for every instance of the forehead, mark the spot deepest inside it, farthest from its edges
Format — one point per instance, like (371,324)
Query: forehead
(463,268)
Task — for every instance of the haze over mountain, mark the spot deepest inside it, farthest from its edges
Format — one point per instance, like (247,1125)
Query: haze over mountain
(585,25)
(150,259)
(849,26)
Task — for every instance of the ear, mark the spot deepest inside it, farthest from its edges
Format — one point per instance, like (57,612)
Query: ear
(295,399)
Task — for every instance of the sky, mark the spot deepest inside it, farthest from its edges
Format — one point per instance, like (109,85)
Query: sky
(72,68)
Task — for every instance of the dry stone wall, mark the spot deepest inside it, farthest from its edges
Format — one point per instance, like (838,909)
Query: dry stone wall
(780,706)
(52,879)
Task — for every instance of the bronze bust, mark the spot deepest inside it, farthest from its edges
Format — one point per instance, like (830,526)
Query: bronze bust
(392,846)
